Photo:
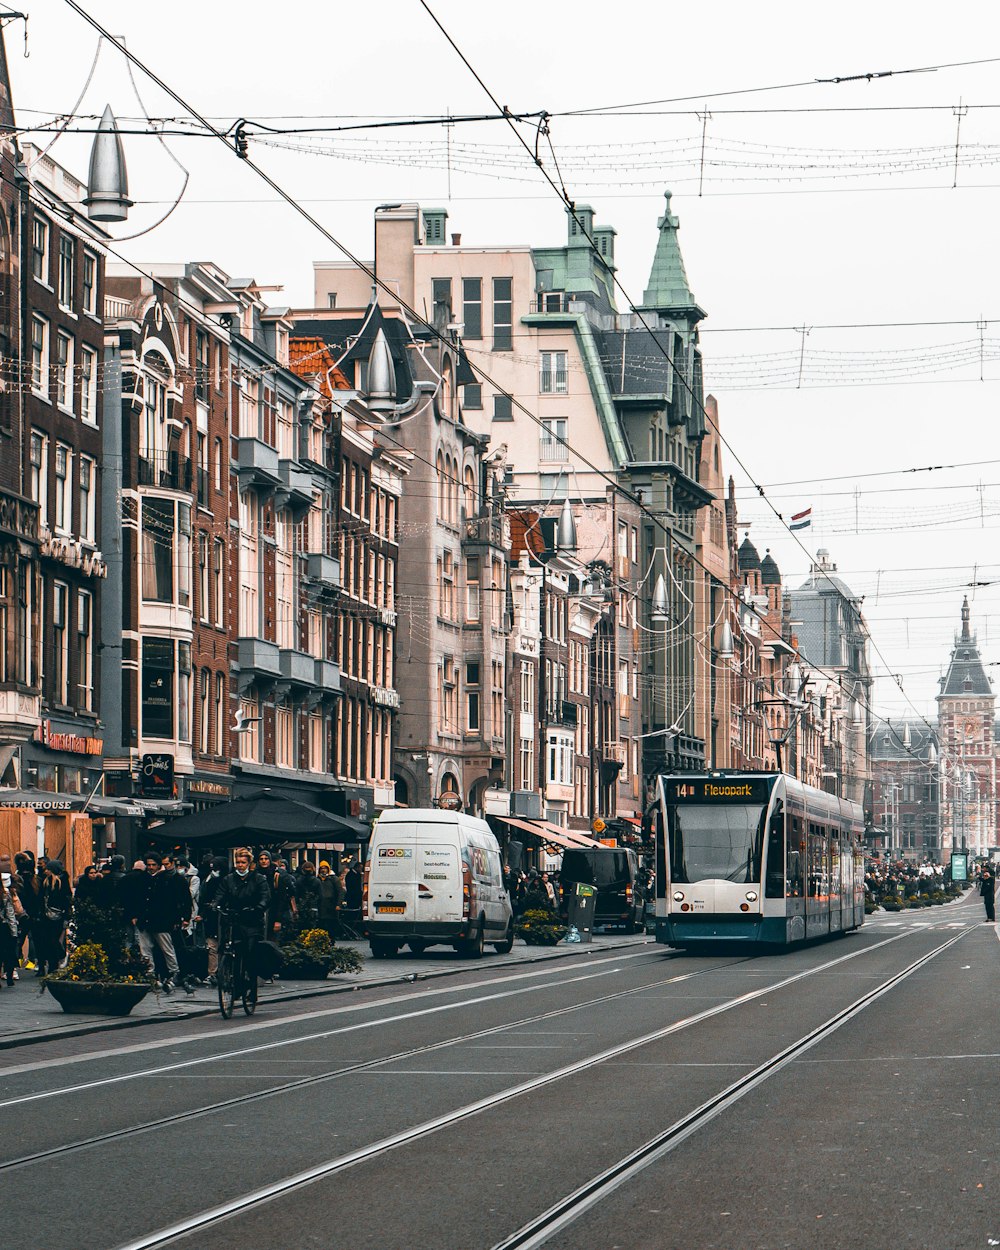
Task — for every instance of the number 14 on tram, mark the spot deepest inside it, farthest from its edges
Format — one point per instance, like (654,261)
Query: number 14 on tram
(755,858)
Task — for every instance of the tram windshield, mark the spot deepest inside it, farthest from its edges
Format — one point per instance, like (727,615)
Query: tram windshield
(716,842)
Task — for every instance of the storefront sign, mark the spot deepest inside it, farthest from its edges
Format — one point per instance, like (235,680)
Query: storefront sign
(75,744)
(201,785)
(156,776)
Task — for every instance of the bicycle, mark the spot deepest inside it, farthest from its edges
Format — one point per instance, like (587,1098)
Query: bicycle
(234,978)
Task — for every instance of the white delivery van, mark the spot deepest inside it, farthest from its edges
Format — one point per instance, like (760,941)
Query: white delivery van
(434,878)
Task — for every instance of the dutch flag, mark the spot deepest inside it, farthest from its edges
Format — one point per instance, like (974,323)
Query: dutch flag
(801,520)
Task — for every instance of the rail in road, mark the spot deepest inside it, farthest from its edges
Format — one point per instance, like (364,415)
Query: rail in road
(434,1120)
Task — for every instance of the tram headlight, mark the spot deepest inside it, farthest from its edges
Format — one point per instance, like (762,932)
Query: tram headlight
(678,896)
(751,896)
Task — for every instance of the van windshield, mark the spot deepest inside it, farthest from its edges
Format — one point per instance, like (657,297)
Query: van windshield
(607,869)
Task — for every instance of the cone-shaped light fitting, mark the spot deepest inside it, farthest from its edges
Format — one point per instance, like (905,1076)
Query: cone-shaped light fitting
(107,185)
(566,531)
(381,375)
(726,641)
(659,614)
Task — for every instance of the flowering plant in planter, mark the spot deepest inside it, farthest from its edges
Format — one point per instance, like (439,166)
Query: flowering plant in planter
(540,928)
(313,956)
(104,973)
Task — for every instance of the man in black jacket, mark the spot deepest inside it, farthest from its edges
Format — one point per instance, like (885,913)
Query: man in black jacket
(167,908)
(242,899)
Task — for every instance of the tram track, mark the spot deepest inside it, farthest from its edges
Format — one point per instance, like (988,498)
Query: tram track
(319,1078)
(569,1209)
(288,1185)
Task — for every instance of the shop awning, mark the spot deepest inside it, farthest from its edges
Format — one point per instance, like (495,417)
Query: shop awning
(576,838)
(265,819)
(541,829)
(42,800)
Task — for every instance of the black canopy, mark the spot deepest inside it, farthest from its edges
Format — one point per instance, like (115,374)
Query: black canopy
(265,818)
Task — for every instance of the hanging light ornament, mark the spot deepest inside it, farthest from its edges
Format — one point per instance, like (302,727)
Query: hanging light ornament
(107,184)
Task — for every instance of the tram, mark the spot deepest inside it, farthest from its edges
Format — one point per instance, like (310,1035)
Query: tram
(755,858)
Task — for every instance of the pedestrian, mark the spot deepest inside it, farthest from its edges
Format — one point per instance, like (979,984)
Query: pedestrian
(29,889)
(207,901)
(331,897)
(987,888)
(11,912)
(307,896)
(50,928)
(168,907)
(88,886)
(110,886)
(283,908)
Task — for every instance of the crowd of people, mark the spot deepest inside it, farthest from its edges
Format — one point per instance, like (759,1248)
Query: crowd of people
(899,877)
(170,905)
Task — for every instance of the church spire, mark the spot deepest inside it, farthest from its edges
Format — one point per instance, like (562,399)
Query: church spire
(966,615)
(668,284)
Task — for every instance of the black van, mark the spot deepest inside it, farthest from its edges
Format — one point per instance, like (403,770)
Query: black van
(615,872)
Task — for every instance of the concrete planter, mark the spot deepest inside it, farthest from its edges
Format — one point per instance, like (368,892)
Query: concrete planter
(97,998)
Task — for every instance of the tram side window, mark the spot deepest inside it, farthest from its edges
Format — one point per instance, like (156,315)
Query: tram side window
(836,884)
(774,884)
(819,868)
(796,854)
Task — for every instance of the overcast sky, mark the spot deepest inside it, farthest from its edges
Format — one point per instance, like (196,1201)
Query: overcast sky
(869,206)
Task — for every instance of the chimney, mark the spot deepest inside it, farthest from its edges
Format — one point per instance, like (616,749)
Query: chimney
(456,240)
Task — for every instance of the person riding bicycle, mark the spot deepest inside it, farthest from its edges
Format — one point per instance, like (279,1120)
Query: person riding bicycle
(243,898)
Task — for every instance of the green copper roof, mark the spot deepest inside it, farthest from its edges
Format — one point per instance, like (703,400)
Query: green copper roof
(668,283)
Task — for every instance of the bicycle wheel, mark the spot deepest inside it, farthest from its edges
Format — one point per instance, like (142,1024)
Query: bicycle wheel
(248,988)
(226,978)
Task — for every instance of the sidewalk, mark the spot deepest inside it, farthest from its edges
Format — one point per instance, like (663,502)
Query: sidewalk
(28,1015)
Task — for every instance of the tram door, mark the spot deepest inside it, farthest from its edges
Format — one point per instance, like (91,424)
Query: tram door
(818,879)
(837,896)
(795,903)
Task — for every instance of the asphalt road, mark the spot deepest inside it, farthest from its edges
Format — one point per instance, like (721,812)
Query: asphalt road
(840,1095)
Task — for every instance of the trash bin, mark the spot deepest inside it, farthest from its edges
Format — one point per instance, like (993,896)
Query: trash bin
(582,905)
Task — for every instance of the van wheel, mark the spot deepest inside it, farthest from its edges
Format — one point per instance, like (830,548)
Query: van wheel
(507,945)
(382,948)
(473,948)
(417,947)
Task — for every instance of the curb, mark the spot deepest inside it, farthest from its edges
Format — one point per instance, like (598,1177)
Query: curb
(130,1022)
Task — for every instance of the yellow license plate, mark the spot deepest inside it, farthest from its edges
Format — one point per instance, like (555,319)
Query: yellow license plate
(394,908)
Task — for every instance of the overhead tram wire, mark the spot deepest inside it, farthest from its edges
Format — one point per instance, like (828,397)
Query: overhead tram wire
(290,200)
(568,203)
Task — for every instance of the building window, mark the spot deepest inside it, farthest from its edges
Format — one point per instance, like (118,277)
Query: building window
(64,372)
(60,642)
(218,578)
(441,295)
(284,737)
(473,698)
(88,500)
(27,656)
(157,688)
(64,488)
(552,442)
(284,582)
(250,738)
(40,249)
(85,650)
(166,551)
(503,408)
(331,299)
(473,392)
(449,695)
(473,597)
(527,688)
(67,267)
(204,574)
(552,378)
(472,308)
(184,691)
(204,728)
(526,759)
(218,464)
(40,356)
(90,283)
(88,386)
(39,456)
(503,308)
(220,712)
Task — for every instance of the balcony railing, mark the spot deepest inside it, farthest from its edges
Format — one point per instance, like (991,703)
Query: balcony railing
(166,468)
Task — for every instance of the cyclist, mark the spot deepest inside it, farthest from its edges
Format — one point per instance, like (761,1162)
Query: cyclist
(243,897)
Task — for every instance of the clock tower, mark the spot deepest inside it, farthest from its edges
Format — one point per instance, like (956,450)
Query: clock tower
(966,709)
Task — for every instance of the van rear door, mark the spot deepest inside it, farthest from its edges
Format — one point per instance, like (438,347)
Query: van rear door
(439,882)
(392,885)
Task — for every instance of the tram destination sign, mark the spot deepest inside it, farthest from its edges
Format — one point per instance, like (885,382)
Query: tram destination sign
(719,790)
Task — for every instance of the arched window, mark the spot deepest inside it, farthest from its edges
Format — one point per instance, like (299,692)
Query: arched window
(446,392)
(471,507)
(442,488)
